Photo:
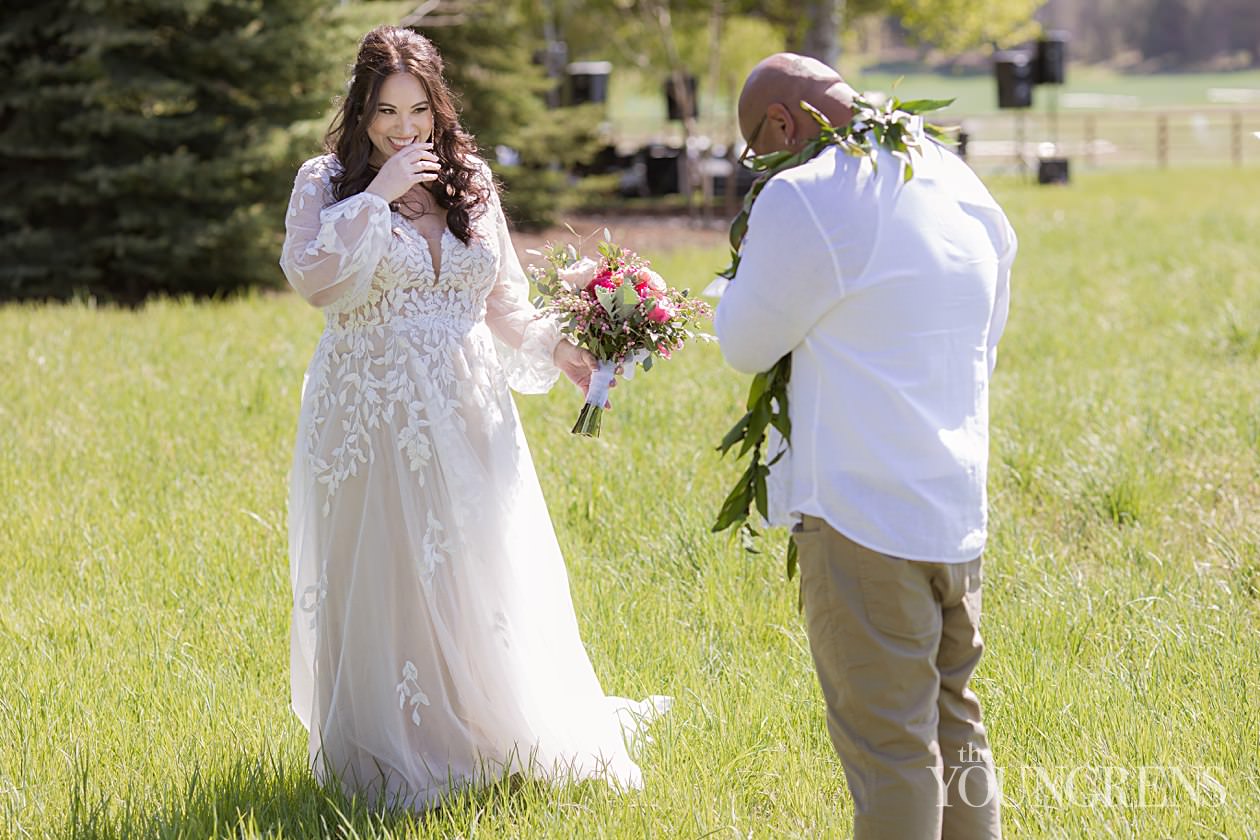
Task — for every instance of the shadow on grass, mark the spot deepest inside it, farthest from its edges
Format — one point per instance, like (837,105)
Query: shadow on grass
(265,797)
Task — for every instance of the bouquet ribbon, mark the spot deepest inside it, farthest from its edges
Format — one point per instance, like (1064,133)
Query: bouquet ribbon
(601,381)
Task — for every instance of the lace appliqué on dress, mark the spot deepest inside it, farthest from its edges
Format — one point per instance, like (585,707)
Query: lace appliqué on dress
(434,550)
(396,350)
(313,600)
(409,692)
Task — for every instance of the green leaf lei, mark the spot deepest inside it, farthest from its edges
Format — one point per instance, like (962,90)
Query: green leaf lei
(894,126)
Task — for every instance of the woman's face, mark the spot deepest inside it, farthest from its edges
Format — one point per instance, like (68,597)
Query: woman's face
(403,116)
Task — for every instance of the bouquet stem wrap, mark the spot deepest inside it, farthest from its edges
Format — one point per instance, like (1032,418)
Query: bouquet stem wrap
(596,398)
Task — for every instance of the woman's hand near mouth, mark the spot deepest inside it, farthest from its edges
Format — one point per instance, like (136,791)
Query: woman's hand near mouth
(413,164)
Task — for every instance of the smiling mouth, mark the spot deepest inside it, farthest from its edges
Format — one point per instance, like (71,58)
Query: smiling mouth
(399,144)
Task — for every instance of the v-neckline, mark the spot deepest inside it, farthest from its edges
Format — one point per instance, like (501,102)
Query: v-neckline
(435,264)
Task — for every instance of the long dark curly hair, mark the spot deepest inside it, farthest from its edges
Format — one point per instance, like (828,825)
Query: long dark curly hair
(383,52)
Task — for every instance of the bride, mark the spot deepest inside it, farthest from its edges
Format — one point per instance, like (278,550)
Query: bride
(434,643)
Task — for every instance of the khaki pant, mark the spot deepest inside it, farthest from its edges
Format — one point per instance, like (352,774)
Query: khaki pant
(895,642)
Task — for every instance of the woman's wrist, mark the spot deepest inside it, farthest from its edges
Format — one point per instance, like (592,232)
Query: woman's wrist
(558,351)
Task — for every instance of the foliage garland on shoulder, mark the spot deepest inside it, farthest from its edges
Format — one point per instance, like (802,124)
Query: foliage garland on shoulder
(896,126)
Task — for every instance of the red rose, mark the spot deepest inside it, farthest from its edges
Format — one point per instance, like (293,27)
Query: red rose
(605,279)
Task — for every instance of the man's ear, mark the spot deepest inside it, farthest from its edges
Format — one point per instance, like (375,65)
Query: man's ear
(780,122)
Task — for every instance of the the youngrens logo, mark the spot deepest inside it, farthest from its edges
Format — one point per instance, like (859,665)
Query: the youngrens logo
(976,782)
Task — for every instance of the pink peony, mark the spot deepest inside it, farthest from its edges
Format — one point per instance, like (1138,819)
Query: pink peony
(653,280)
(649,284)
(662,312)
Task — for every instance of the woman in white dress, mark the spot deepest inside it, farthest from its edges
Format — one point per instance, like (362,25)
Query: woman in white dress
(434,643)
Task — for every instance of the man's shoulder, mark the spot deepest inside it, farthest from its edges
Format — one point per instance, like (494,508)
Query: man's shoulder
(823,178)
(957,178)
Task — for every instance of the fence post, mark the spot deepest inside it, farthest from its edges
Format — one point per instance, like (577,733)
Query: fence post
(1161,140)
(1236,135)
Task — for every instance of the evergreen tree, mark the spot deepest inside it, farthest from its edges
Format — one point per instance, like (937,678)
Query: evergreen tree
(144,143)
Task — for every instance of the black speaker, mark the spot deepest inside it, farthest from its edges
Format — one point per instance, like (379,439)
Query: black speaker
(1052,171)
(1014,72)
(1050,64)
(662,169)
(671,101)
(588,81)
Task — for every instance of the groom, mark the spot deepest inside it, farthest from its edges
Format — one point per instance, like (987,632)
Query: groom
(891,297)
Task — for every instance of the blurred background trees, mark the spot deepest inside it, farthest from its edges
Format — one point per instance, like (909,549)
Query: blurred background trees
(1160,34)
(148,146)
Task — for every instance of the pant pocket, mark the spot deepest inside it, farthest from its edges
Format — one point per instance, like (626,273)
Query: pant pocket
(898,597)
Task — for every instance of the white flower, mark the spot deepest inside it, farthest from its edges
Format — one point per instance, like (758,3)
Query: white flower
(580,274)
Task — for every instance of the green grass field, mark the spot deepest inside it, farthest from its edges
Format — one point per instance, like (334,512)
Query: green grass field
(143,569)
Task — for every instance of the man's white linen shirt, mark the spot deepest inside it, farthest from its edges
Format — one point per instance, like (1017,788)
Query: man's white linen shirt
(891,297)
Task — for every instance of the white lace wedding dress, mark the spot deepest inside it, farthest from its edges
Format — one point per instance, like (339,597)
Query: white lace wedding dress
(434,643)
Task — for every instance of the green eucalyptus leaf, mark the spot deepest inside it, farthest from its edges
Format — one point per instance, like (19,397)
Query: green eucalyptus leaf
(735,509)
(736,434)
(818,116)
(763,505)
(606,300)
(759,418)
(759,386)
(771,160)
(739,227)
(923,106)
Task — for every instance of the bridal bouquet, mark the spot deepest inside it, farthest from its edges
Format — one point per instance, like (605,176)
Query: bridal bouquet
(618,308)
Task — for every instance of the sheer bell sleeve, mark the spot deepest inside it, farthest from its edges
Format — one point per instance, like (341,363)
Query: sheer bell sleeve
(526,338)
(331,249)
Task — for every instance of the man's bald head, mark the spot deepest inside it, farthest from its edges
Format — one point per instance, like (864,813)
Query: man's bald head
(773,92)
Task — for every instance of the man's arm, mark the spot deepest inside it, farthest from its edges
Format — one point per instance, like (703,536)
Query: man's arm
(787,280)
(1002,295)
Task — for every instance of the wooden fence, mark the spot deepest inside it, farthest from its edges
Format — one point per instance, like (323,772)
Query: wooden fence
(1180,136)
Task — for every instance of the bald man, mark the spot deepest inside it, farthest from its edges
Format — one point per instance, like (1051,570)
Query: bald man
(890,297)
